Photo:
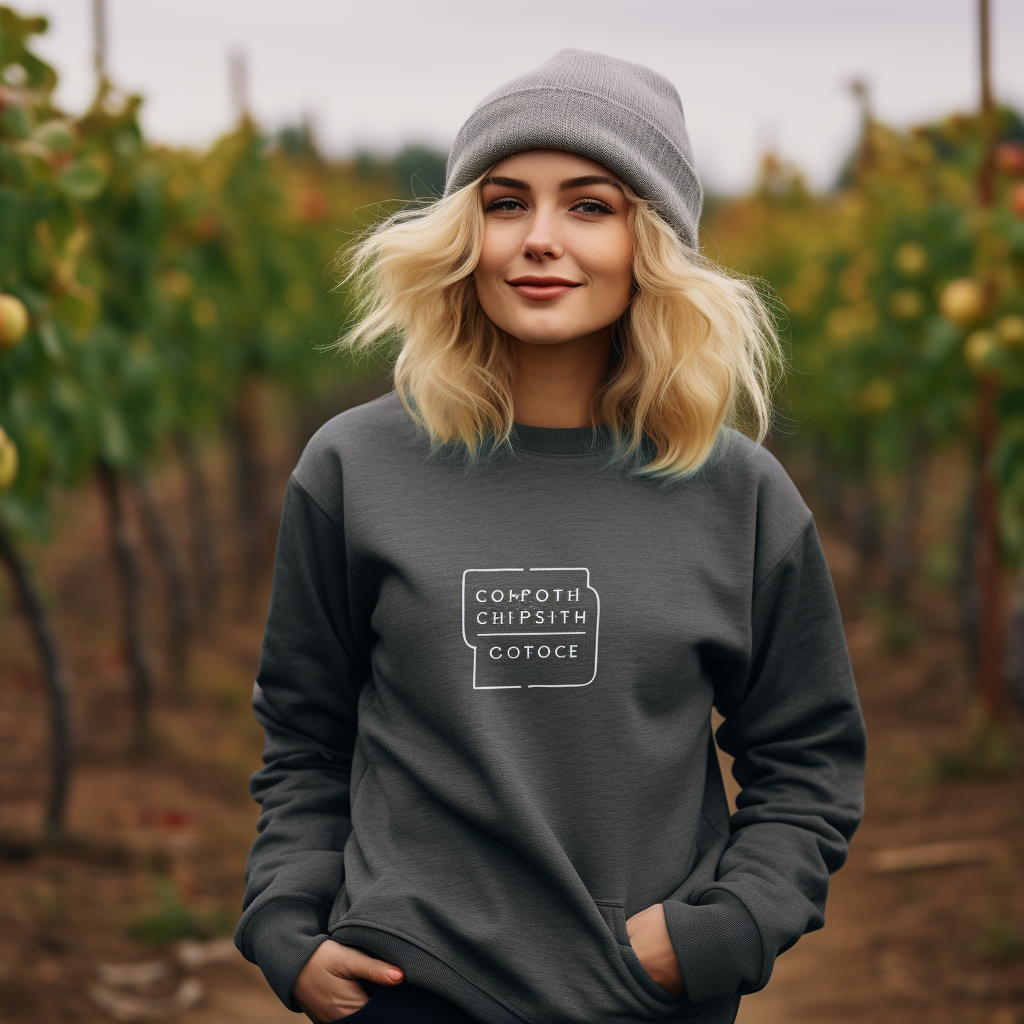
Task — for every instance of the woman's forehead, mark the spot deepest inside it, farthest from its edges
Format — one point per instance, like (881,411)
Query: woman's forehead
(554,163)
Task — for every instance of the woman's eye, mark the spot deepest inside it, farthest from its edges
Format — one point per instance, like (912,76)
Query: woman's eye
(508,204)
(592,206)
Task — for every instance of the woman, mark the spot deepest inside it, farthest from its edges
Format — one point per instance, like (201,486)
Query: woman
(507,596)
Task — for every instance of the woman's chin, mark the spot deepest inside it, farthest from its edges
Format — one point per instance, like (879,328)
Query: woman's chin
(533,334)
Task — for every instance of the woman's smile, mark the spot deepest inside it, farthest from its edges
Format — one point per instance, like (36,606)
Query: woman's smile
(541,289)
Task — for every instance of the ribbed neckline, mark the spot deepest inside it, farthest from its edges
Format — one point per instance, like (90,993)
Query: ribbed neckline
(571,441)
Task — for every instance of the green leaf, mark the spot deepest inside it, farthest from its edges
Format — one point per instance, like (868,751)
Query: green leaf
(50,339)
(56,135)
(82,180)
(17,120)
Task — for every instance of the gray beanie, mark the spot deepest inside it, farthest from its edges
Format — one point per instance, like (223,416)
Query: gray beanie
(625,116)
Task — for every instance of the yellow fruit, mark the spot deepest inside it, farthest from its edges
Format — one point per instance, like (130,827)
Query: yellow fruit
(13,321)
(962,301)
(1010,330)
(877,395)
(177,283)
(911,259)
(978,347)
(8,461)
(846,323)
(906,304)
(204,312)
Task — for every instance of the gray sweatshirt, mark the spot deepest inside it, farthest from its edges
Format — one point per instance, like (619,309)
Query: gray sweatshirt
(487,698)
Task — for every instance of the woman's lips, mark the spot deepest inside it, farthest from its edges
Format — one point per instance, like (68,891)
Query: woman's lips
(542,288)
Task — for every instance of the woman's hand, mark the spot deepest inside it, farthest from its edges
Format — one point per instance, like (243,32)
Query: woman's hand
(326,987)
(648,935)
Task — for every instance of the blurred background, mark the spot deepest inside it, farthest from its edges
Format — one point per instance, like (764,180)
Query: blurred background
(175,184)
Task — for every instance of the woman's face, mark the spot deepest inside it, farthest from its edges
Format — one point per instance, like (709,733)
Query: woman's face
(556,258)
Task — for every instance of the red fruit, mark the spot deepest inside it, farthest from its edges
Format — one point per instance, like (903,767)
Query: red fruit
(1017,199)
(207,227)
(312,205)
(1010,157)
(171,821)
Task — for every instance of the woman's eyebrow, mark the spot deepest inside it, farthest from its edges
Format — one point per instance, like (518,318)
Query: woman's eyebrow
(588,179)
(508,183)
(569,183)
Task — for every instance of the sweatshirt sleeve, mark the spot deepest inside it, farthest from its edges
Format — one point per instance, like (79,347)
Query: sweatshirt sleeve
(794,726)
(310,673)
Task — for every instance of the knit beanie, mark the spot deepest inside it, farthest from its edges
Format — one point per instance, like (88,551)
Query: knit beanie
(623,115)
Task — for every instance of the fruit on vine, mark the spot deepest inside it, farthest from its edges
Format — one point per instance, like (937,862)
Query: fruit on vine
(207,227)
(13,321)
(8,461)
(1010,330)
(962,301)
(311,204)
(906,303)
(1017,199)
(911,259)
(1010,157)
(978,347)
(177,284)
(204,312)
(877,396)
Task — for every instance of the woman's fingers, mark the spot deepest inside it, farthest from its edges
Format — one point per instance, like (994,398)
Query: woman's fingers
(354,963)
(328,988)
(324,997)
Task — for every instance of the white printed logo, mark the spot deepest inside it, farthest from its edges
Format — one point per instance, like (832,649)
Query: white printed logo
(530,627)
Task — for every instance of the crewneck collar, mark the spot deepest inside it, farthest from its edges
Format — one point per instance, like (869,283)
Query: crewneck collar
(564,441)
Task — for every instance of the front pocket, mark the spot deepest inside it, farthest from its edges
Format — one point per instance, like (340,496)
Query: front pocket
(614,915)
(354,1016)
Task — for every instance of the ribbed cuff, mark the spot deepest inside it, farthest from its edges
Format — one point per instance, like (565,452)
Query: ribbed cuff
(280,938)
(717,944)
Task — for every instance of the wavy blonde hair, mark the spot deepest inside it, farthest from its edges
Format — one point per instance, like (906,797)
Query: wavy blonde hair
(696,349)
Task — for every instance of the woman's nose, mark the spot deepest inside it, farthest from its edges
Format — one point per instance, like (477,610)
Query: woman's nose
(540,241)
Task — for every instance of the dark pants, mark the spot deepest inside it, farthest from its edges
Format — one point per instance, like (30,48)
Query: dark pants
(407,1004)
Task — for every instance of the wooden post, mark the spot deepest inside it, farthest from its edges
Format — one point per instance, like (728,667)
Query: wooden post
(238,75)
(99,36)
(991,627)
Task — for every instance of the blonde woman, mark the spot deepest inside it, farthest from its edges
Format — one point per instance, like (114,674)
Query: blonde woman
(508,595)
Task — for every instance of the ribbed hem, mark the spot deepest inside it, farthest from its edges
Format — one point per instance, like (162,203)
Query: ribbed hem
(280,939)
(717,944)
(425,970)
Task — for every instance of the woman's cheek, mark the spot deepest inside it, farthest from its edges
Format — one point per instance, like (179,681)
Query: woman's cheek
(493,300)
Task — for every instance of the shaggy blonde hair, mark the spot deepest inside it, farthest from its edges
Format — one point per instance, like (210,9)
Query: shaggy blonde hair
(696,349)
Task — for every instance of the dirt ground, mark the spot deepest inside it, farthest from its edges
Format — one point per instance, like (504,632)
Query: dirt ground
(158,843)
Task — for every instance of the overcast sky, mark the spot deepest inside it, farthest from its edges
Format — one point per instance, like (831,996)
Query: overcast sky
(379,73)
